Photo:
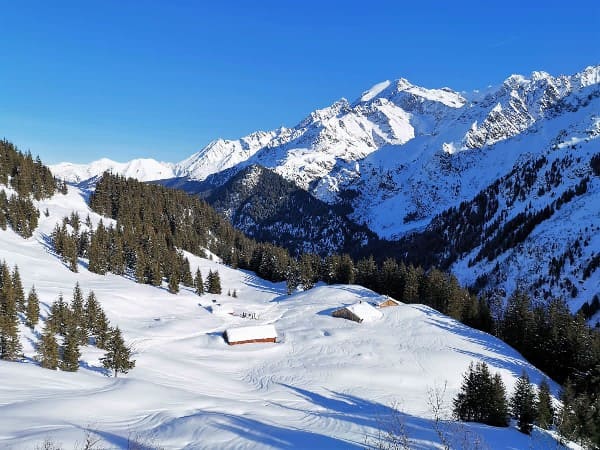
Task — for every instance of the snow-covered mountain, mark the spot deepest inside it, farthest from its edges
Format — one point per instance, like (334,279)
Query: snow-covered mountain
(401,158)
(145,169)
(327,382)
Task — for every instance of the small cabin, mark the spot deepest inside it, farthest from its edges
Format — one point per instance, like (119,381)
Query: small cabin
(358,312)
(249,335)
(385,302)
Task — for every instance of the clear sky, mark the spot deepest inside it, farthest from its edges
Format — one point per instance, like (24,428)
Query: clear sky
(127,79)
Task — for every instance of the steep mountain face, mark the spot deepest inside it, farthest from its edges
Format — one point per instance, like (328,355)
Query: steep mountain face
(399,154)
(267,207)
(497,186)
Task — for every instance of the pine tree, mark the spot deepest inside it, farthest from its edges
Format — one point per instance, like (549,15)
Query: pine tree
(213,282)
(410,293)
(118,355)
(32,313)
(198,283)
(567,420)
(18,290)
(90,312)
(71,250)
(292,277)
(545,410)
(482,397)
(522,404)
(47,349)
(77,314)
(10,344)
(498,404)
(185,273)
(174,282)
(59,316)
(234,294)
(140,266)
(101,330)
(71,353)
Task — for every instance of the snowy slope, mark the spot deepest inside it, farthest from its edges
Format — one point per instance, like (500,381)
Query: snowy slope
(140,169)
(327,383)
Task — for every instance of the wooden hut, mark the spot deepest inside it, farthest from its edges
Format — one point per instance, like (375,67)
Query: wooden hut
(358,312)
(248,335)
(385,302)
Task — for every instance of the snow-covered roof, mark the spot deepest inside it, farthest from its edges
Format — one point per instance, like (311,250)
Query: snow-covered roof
(383,299)
(365,311)
(251,333)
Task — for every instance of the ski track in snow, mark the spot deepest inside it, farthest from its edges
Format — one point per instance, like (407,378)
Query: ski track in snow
(327,383)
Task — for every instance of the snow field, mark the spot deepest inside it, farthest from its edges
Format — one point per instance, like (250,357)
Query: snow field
(327,383)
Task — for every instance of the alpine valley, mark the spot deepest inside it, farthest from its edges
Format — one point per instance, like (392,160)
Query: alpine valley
(501,186)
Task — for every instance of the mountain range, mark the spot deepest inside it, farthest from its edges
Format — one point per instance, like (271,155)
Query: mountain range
(499,186)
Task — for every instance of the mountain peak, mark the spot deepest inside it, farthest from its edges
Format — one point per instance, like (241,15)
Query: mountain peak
(143,169)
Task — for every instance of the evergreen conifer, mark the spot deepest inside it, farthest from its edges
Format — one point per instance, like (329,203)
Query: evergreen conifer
(545,409)
(213,282)
(18,290)
(71,353)
(32,313)
(47,349)
(118,355)
(522,404)
(174,282)
(199,283)
(10,344)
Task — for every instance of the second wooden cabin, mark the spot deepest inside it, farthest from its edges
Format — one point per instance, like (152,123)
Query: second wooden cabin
(358,312)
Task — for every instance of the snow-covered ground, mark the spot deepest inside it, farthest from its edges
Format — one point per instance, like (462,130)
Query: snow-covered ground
(326,383)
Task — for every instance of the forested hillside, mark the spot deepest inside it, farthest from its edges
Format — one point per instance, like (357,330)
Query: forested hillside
(27,179)
(269,208)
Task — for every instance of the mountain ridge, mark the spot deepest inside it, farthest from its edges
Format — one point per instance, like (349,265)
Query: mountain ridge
(401,158)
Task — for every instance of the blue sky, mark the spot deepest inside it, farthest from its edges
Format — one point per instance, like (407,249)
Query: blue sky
(85,80)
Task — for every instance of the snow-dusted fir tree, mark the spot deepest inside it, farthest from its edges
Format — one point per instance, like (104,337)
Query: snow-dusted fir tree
(18,290)
(32,313)
(10,345)
(118,355)
(213,282)
(78,315)
(174,281)
(199,283)
(71,353)
(47,349)
(522,404)
(545,409)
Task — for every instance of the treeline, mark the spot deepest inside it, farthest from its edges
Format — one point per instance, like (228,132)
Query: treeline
(68,327)
(81,322)
(18,212)
(483,398)
(28,177)
(108,252)
(482,221)
(564,347)
(154,223)
(12,302)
